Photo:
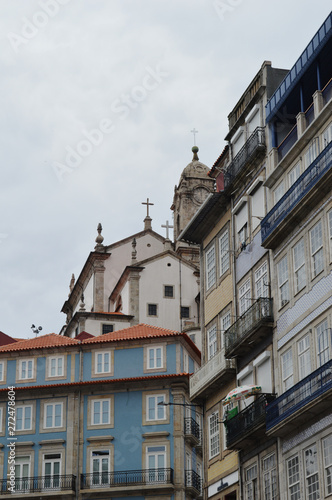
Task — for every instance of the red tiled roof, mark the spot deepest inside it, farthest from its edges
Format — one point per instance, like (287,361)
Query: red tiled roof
(141,331)
(42,342)
(6,339)
(110,313)
(83,336)
(102,382)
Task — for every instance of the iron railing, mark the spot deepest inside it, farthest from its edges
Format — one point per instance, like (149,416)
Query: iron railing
(191,427)
(248,419)
(255,143)
(193,480)
(302,393)
(126,478)
(297,192)
(261,310)
(26,485)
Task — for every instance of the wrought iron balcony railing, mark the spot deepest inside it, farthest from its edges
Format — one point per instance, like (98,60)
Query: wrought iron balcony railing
(126,478)
(38,484)
(191,427)
(210,372)
(307,390)
(193,480)
(260,312)
(319,167)
(247,153)
(248,419)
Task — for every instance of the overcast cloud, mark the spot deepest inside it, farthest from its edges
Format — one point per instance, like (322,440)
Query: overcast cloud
(98,98)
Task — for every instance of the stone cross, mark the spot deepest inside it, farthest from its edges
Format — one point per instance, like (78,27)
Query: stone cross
(167,226)
(194,131)
(147,203)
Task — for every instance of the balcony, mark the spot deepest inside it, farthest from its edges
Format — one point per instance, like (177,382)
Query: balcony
(253,150)
(47,485)
(148,481)
(192,431)
(193,482)
(309,189)
(248,426)
(305,400)
(287,143)
(208,377)
(250,328)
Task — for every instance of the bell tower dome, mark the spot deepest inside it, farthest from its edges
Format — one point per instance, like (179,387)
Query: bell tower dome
(193,188)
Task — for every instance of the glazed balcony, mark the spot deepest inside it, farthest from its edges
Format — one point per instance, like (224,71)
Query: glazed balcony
(149,481)
(248,426)
(253,150)
(297,202)
(193,482)
(205,380)
(306,399)
(192,431)
(35,487)
(250,328)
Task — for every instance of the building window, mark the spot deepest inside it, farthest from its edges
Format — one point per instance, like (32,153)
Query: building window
(23,418)
(101,411)
(251,483)
(287,369)
(53,415)
(242,236)
(311,154)
(299,266)
(107,329)
(212,341)
(322,343)
(224,252)
(293,470)
(52,470)
(210,267)
(22,473)
(214,445)
(244,297)
(185,312)
(311,473)
(303,349)
(261,283)
(100,464)
(155,357)
(294,174)
(56,366)
(154,410)
(156,463)
(317,255)
(283,281)
(102,362)
(279,192)
(2,372)
(327,452)
(169,291)
(225,323)
(26,369)
(270,478)
(330,232)
(152,309)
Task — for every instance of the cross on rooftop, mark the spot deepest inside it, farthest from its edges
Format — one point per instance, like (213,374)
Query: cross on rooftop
(167,226)
(147,203)
(194,131)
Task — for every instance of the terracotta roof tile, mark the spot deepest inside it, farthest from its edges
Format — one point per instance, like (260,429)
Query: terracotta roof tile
(84,335)
(42,342)
(141,331)
(101,382)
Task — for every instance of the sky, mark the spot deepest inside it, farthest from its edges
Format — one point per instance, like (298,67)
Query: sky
(98,99)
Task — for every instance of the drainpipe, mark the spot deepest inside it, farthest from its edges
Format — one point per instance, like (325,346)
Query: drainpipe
(79,426)
(180,279)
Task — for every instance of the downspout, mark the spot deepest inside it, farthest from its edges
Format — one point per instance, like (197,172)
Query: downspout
(79,425)
(180,280)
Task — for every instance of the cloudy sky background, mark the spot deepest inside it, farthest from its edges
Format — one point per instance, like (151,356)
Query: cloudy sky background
(145,72)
